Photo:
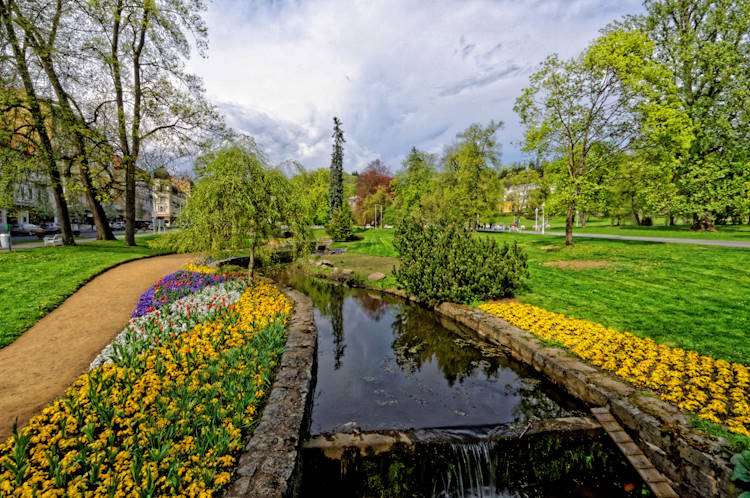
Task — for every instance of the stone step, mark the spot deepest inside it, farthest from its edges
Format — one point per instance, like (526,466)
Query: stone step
(655,480)
(333,445)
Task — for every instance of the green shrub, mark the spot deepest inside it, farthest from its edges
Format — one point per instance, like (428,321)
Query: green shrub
(741,472)
(341,228)
(445,262)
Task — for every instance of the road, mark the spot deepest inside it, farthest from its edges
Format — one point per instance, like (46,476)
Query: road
(86,236)
(666,240)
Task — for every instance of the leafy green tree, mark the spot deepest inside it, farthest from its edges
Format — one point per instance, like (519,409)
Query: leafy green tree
(378,203)
(336,190)
(588,109)
(238,203)
(340,228)
(469,186)
(412,183)
(310,188)
(705,45)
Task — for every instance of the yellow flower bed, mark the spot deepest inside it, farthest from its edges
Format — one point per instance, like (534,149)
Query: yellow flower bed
(199,268)
(715,390)
(169,421)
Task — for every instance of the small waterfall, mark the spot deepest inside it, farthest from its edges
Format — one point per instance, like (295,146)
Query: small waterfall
(472,473)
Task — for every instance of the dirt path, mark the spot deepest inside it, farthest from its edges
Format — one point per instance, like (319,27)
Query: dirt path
(48,357)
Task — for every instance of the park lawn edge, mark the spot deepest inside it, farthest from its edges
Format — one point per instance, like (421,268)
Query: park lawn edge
(53,305)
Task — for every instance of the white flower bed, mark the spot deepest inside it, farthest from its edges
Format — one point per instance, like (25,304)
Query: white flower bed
(174,319)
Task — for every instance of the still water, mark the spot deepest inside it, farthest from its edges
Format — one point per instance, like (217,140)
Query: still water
(384,363)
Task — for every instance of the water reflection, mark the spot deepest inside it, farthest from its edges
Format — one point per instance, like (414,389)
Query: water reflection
(386,364)
(337,324)
(416,343)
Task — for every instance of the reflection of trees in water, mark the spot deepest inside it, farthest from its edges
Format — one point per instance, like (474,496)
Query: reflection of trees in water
(419,337)
(328,299)
(372,304)
(337,323)
(535,403)
(320,293)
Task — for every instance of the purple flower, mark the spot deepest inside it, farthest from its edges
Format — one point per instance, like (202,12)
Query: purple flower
(176,285)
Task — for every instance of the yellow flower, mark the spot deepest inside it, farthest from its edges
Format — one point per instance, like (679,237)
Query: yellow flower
(714,389)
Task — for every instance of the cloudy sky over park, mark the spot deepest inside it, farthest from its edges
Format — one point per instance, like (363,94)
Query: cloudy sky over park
(398,73)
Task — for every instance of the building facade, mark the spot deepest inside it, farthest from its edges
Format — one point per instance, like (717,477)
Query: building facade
(170,196)
(161,197)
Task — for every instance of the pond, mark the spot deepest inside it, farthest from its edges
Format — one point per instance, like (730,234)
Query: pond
(386,364)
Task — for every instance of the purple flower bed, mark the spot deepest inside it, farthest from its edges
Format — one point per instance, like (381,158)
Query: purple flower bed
(176,285)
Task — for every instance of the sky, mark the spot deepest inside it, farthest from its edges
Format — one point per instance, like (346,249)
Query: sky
(399,74)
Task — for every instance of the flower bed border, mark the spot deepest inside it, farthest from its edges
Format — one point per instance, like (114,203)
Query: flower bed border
(267,467)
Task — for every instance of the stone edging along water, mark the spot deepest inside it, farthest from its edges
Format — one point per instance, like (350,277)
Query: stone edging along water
(267,467)
(695,463)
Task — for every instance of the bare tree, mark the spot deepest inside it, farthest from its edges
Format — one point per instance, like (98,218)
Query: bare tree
(37,118)
(44,24)
(152,99)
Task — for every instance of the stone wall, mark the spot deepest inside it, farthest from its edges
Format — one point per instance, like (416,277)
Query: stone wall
(696,464)
(267,468)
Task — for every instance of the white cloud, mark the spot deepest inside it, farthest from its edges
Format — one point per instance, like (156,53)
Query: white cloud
(398,73)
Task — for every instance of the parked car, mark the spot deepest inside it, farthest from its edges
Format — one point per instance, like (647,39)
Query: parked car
(117,225)
(24,229)
(51,228)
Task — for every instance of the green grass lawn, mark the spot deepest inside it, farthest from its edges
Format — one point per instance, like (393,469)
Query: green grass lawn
(603,226)
(374,243)
(35,281)
(695,297)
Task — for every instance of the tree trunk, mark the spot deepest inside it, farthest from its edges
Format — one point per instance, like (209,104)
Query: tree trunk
(39,125)
(104,231)
(703,223)
(584,215)
(130,202)
(636,217)
(569,220)
(251,263)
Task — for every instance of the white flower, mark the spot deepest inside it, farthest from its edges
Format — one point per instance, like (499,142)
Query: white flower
(176,318)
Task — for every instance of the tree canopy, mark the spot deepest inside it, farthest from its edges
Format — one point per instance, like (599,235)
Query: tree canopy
(238,202)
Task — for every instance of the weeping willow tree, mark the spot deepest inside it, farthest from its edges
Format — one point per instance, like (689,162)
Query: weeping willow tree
(238,203)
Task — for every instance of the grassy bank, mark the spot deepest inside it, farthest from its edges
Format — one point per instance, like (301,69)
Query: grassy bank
(694,297)
(604,226)
(35,281)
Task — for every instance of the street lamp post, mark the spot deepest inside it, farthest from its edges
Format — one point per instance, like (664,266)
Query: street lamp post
(543,223)
(536,219)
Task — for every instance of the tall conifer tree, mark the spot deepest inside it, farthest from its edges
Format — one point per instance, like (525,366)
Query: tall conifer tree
(336,189)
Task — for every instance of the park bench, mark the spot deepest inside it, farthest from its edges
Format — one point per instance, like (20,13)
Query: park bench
(53,240)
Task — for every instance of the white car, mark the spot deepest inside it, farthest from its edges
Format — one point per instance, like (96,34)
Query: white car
(29,228)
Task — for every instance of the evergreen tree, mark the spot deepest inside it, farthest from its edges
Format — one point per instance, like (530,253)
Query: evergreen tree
(336,189)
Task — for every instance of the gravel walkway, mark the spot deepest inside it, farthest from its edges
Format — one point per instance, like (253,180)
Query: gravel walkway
(48,357)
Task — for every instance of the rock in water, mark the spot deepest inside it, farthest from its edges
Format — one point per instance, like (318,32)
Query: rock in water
(374,277)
